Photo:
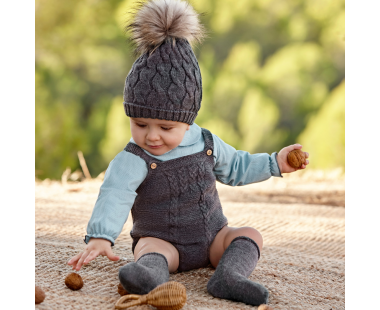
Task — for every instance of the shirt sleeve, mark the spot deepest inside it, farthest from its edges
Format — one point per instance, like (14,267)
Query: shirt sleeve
(237,168)
(117,194)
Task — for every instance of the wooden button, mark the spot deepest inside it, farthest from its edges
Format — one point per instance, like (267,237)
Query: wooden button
(153,166)
(209,152)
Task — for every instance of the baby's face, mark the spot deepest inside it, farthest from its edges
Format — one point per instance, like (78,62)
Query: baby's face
(157,136)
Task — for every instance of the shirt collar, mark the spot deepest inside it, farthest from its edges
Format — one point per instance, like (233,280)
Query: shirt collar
(191,136)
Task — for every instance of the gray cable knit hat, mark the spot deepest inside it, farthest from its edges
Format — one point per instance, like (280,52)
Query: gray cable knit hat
(165,81)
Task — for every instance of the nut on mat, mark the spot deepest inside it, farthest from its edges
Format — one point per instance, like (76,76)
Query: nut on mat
(40,295)
(296,159)
(167,296)
(74,281)
(264,307)
(121,290)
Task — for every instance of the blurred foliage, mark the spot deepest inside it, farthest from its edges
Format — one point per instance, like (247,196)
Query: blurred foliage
(270,70)
(117,133)
(324,134)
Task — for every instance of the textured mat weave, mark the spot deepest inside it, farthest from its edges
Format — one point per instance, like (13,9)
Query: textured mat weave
(302,262)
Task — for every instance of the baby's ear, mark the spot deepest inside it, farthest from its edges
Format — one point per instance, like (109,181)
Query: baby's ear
(188,127)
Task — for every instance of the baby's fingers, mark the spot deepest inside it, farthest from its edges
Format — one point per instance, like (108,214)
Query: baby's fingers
(75,259)
(111,256)
(304,165)
(80,262)
(91,256)
(292,147)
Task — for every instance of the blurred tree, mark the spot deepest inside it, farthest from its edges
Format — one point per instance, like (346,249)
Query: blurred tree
(323,136)
(267,68)
(81,64)
(293,78)
(257,121)
(234,78)
(117,133)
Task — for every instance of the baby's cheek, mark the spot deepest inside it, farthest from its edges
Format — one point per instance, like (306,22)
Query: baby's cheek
(171,145)
(173,141)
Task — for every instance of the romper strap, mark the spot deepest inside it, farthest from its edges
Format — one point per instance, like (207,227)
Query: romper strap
(138,151)
(209,141)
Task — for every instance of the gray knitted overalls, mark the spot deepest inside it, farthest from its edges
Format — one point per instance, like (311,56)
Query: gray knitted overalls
(178,202)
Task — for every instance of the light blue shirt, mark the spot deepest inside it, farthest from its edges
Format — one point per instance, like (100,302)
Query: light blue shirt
(127,171)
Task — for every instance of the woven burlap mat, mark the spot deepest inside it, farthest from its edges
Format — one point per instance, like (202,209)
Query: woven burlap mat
(302,262)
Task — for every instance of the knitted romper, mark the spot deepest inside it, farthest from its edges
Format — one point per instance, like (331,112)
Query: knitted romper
(178,202)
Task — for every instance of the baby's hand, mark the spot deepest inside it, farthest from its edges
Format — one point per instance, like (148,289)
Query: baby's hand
(94,248)
(282,158)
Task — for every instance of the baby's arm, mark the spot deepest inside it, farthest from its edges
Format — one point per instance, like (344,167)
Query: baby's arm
(237,168)
(116,197)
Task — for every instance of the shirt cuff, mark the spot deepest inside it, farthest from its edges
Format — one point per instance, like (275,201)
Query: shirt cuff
(274,167)
(88,237)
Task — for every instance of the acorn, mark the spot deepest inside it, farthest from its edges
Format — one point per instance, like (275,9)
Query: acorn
(264,307)
(40,295)
(121,290)
(296,159)
(74,281)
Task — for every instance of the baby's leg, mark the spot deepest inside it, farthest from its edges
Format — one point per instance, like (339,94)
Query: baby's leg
(154,258)
(235,252)
(150,244)
(224,238)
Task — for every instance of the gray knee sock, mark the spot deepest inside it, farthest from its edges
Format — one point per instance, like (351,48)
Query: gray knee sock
(142,276)
(229,280)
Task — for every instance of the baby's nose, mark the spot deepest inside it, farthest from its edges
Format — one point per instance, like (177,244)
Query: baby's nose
(153,135)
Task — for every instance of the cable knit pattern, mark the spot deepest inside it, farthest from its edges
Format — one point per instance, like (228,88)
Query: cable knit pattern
(183,179)
(202,200)
(193,171)
(178,202)
(166,84)
(174,204)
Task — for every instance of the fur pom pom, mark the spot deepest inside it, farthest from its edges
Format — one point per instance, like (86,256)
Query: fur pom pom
(155,21)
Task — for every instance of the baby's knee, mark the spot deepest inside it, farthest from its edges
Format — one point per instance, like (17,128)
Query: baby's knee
(252,233)
(149,244)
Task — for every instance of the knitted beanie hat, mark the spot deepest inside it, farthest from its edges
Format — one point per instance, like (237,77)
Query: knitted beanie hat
(165,81)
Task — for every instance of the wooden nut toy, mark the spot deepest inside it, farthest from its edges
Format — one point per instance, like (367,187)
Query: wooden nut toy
(121,290)
(40,295)
(296,159)
(74,281)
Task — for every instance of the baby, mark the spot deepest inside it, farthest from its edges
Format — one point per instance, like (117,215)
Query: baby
(167,173)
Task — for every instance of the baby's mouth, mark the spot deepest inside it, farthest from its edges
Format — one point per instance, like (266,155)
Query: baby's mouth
(154,146)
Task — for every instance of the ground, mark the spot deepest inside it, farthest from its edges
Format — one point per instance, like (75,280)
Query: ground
(300,216)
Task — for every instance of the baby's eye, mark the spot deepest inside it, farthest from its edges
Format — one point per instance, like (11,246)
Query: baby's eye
(165,128)
(140,125)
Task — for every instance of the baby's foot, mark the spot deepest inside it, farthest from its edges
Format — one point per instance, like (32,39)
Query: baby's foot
(233,286)
(230,279)
(142,276)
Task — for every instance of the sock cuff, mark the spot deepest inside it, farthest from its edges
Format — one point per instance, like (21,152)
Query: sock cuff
(249,239)
(154,253)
